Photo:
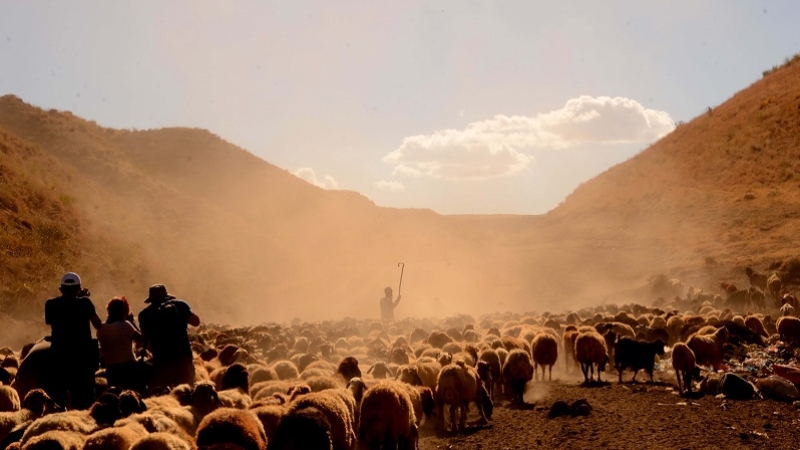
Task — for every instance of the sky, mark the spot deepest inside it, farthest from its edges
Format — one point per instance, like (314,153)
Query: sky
(463,107)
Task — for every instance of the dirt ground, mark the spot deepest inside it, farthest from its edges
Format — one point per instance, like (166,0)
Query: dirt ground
(628,416)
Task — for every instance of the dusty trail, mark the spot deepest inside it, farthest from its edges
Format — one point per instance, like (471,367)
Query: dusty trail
(630,416)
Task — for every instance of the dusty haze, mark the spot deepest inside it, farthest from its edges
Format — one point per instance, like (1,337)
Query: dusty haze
(246,242)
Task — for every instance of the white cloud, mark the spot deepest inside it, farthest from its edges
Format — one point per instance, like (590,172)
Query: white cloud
(308,174)
(391,186)
(495,147)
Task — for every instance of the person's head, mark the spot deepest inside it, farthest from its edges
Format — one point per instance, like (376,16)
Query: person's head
(158,294)
(388,291)
(70,284)
(118,309)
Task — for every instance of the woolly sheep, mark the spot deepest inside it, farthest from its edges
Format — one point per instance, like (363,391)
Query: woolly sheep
(491,357)
(789,329)
(117,438)
(458,386)
(517,371)
(35,405)
(9,399)
(232,426)
(348,368)
(591,353)
(286,370)
(56,439)
(754,323)
(162,441)
(544,349)
(707,348)
(774,284)
(685,365)
(303,428)
(427,373)
(336,411)
(387,418)
(787,310)
(568,339)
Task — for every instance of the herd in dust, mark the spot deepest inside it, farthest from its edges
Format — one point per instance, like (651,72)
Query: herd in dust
(380,385)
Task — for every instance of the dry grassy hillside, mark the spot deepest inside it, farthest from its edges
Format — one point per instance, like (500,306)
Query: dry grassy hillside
(718,193)
(247,241)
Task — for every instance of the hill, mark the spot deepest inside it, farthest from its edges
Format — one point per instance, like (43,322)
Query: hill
(246,241)
(243,239)
(715,195)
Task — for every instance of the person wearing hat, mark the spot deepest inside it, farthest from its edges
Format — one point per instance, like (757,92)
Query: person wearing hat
(75,352)
(164,327)
(388,305)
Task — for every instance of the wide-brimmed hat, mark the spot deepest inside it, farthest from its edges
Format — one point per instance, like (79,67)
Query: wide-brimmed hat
(158,292)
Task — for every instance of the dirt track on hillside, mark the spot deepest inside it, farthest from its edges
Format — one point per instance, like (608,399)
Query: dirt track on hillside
(628,416)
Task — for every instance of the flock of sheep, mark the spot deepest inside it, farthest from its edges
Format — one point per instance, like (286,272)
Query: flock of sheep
(357,383)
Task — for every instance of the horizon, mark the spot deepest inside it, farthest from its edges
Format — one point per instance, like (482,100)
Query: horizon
(460,109)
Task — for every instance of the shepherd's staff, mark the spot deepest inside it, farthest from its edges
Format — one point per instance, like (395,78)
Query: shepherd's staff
(402,267)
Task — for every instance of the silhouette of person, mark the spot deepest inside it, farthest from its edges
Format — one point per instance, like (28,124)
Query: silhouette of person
(388,305)
(164,327)
(75,353)
(116,337)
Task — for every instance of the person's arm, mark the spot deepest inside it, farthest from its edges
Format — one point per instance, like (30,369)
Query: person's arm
(96,322)
(396,302)
(193,320)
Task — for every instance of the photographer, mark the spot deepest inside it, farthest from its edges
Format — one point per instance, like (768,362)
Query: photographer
(74,351)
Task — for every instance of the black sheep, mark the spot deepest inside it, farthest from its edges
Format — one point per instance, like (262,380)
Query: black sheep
(636,355)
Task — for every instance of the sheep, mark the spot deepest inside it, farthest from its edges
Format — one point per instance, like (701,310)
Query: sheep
(789,329)
(9,399)
(380,370)
(286,370)
(459,385)
(544,349)
(262,373)
(162,441)
(754,323)
(232,426)
(422,400)
(568,339)
(118,437)
(685,365)
(437,339)
(302,428)
(492,359)
(79,422)
(787,310)
(336,410)
(517,371)
(591,352)
(387,418)
(348,368)
(774,284)
(636,355)
(757,279)
(56,439)
(708,348)
(35,405)
(426,372)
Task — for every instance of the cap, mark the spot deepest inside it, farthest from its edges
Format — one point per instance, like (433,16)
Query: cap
(70,279)
(157,292)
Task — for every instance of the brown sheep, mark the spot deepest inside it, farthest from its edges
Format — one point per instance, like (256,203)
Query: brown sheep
(232,426)
(685,365)
(387,418)
(707,348)
(774,284)
(755,324)
(517,371)
(591,352)
(545,353)
(492,359)
(458,386)
(348,368)
(570,334)
(757,279)
(789,329)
